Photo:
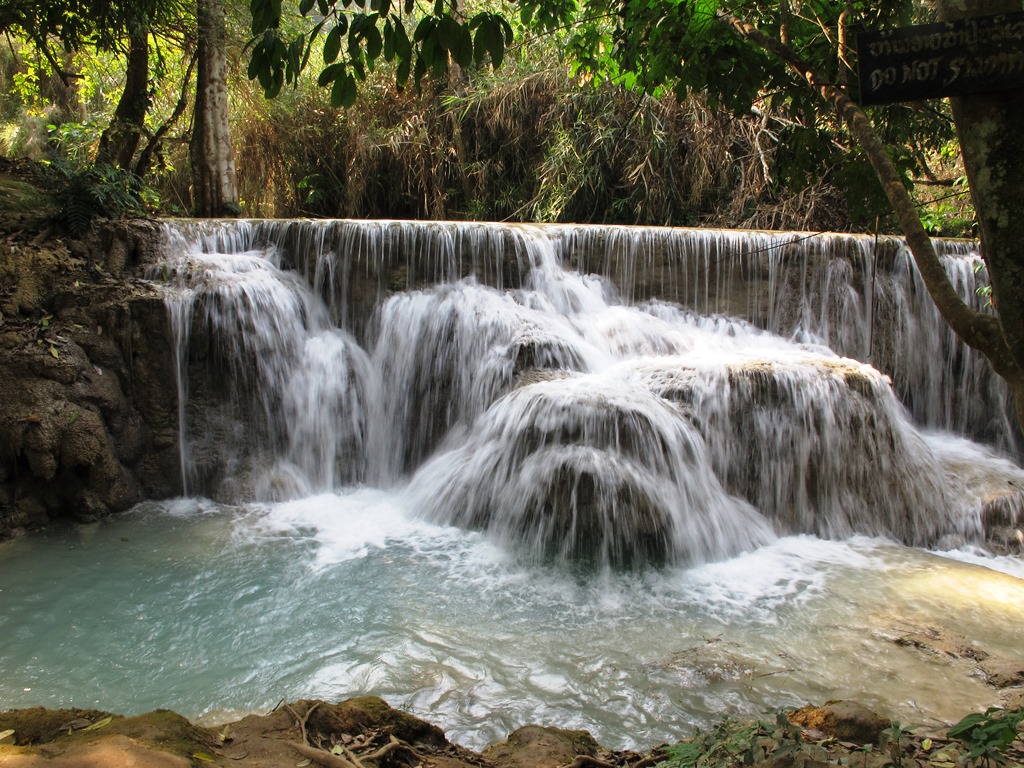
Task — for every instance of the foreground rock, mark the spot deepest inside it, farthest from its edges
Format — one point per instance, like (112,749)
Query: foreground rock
(366,732)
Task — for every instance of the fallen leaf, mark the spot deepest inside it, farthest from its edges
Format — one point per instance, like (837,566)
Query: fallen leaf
(204,757)
(99,724)
(7,737)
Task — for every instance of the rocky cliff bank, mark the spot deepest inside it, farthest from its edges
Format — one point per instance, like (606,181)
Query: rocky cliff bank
(88,405)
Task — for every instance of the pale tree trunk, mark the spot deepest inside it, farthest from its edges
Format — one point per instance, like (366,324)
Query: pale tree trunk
(994,338)
(214,189)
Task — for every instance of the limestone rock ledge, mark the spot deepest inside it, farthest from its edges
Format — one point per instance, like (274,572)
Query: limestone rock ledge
(88,403)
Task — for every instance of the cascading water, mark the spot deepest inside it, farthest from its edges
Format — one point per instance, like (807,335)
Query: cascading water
(442,454)
(568,424)
(275,352)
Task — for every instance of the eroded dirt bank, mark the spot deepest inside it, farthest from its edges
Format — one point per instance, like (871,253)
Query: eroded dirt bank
(367,733)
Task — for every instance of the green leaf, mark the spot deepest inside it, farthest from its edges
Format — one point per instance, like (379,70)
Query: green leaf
(329,74)
(463,52)
(389,41)
(402,71)
(256,62)
(332,45)
(420,69)
(374,43)
(261,15)
(403,48)
(424,29)
(204,757)
(343,93)
(305,6)
(447,32)
(480,47)
(966,725)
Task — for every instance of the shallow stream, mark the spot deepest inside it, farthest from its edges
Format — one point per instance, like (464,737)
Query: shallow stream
(216,611)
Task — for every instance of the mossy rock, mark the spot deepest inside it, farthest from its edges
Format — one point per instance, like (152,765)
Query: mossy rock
(162,728)
(535,746)
(370,713)
(20,196)
(843,720)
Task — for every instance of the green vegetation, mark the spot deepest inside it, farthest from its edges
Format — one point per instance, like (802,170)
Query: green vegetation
(978,741)
(546,137)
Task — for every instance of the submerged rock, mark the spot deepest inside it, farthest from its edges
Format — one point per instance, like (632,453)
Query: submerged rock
(817,444)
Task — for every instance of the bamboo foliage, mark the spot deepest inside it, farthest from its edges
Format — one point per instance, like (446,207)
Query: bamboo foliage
(535,148)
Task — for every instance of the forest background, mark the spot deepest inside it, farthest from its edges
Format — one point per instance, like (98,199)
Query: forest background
(105,93)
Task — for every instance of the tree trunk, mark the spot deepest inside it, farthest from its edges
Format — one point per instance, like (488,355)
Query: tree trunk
(987,125)
(121,138)
(214,189)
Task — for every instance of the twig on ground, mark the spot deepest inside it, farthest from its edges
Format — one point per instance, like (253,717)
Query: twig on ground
(302,720)
(321,756)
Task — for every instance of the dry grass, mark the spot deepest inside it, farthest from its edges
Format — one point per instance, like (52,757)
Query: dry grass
(539,148)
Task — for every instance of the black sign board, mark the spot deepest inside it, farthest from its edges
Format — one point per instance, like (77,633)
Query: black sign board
(925,61)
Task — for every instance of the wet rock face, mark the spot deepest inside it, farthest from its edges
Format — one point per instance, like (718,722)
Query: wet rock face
(88,416)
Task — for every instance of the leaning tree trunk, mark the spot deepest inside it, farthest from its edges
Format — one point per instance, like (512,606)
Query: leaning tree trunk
(214,189)
(988,126)
(121,138)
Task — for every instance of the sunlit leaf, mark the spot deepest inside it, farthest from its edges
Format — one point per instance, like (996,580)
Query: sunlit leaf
(99,724)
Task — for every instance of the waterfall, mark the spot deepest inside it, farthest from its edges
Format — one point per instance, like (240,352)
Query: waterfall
(621,396)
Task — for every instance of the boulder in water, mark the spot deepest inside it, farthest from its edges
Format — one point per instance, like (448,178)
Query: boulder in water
(589,468)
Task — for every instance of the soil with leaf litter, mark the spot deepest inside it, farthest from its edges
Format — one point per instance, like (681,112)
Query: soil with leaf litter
(367,733)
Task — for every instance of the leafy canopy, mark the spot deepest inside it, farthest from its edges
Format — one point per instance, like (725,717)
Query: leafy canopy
(656,46)
(651,44)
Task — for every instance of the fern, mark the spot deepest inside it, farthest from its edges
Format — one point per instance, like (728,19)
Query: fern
(95,191)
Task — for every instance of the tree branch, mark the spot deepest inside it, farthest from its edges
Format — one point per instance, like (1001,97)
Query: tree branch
(976,329)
